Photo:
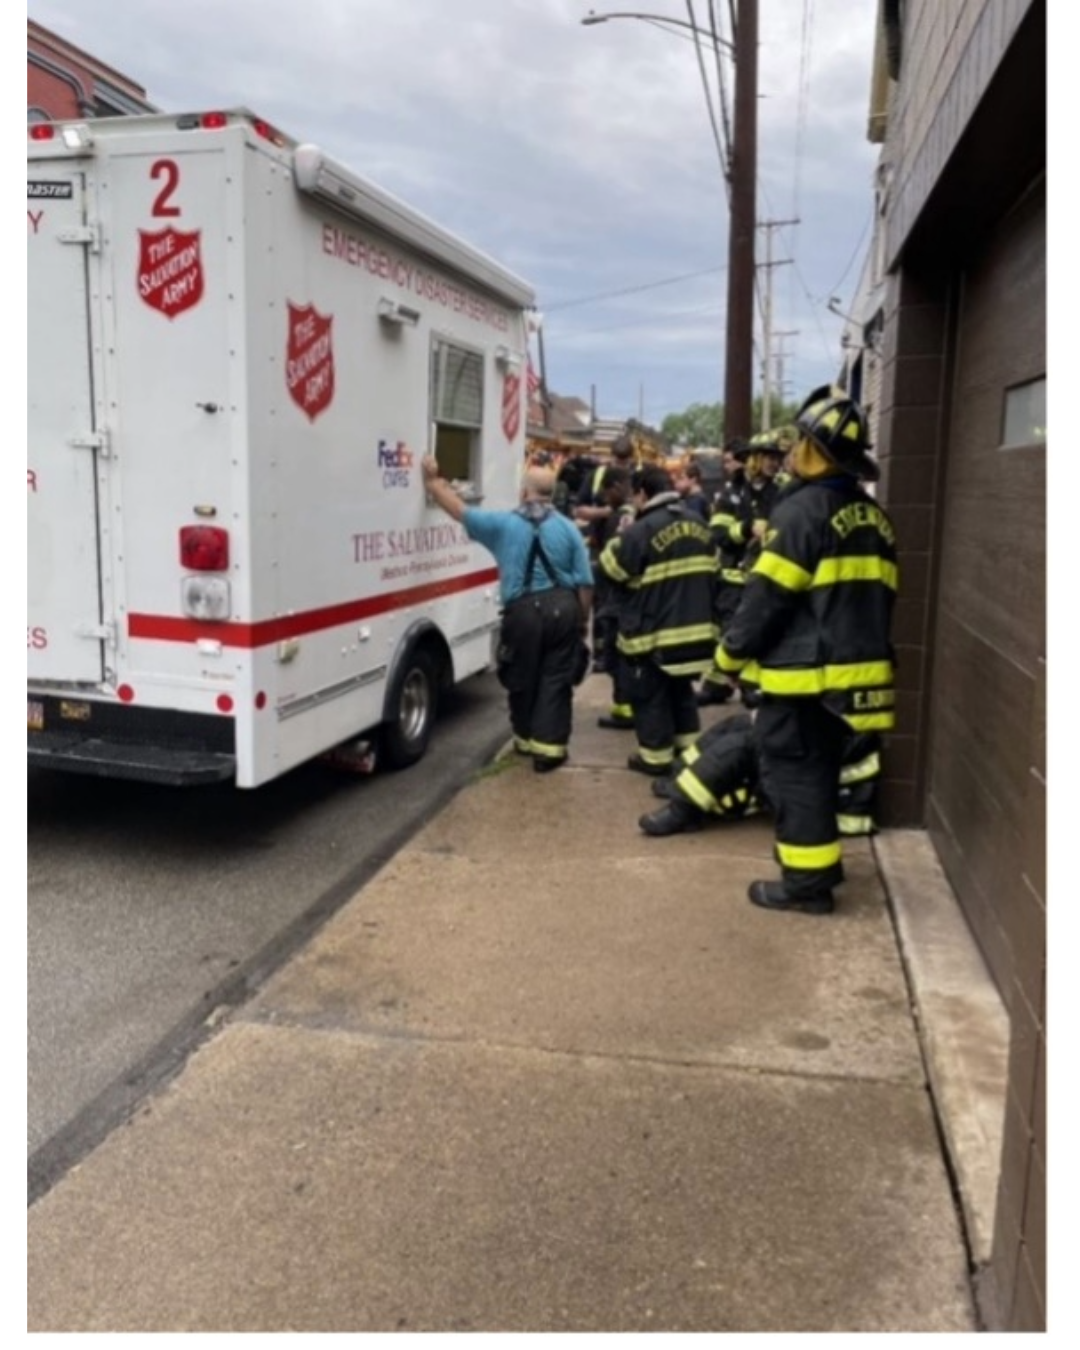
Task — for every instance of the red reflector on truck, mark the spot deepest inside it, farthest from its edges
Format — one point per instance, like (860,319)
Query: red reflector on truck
(204,548)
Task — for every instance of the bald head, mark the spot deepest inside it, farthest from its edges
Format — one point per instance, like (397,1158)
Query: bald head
(538,484)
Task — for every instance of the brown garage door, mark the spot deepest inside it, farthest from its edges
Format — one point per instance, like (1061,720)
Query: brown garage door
(987,742)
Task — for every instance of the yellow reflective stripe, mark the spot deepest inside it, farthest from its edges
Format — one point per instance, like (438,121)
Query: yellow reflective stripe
(730,665)
(520,743)
(667,637)
(695,790)
(691,755)
(610,564)
(684,742)
(657,757)
(722,520)
(679,567)
(547,751)
(735,575)
(855,824)
(622,710)
(865,768)
(809,857)
(830,571)
(879,721)
(783,571)
(873,677)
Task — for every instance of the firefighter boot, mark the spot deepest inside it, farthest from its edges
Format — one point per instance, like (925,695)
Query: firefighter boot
(771,895)
(678,817)
(640,765)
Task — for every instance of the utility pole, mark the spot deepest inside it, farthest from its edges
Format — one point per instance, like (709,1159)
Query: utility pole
(781,357)
(766,365)
(739,350)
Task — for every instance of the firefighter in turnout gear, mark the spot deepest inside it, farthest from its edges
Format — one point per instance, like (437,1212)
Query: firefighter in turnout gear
(718,778)
(664,565)
(739,523)
(812,635)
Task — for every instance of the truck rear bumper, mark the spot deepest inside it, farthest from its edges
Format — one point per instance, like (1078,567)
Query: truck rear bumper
(144,763)
(149,745)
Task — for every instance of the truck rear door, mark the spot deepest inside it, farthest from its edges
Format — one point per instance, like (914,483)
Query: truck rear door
(64,613)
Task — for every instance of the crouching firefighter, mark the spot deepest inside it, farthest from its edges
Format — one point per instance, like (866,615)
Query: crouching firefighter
(812,632)
(719,778)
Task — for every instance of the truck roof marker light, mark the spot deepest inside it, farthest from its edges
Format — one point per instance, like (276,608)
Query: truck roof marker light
(125,693)
(213,121)
(225,703)
(42,131)
(267,132)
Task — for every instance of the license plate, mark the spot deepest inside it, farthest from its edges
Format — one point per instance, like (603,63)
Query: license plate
(35,715)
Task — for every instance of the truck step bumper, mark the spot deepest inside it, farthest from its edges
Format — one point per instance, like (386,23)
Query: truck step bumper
(144,763)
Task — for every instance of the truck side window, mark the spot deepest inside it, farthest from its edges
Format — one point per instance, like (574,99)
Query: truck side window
(457,389)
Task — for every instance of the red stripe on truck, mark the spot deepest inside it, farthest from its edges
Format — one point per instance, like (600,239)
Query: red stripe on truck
(169,628)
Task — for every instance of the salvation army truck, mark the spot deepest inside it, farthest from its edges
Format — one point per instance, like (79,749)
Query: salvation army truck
(238,352)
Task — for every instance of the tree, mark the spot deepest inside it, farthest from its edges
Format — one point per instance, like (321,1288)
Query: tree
(699,425)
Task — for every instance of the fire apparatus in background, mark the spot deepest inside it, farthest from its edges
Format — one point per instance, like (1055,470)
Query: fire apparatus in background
(238,352)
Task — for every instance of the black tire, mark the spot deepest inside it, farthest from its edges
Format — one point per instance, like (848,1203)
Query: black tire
(412,707)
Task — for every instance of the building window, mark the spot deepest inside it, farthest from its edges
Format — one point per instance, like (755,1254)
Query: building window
(457,402)
(1025,415)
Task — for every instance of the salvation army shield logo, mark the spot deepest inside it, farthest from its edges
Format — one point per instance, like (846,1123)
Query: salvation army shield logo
(309,359)
(170,276)
(511,404)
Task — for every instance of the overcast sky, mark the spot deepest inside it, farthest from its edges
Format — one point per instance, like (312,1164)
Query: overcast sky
(582,158)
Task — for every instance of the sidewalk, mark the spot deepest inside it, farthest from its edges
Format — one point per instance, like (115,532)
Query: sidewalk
(546,1074)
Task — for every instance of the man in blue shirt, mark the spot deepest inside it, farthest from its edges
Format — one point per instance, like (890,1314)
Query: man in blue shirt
(545,584)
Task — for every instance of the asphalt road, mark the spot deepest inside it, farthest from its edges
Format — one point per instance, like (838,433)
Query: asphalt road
(151,910)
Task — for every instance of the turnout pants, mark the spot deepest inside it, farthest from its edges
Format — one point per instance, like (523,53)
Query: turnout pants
(666,716)
(800,751)
(539,644)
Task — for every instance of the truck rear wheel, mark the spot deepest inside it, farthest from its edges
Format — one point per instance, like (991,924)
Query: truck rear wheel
(412,705)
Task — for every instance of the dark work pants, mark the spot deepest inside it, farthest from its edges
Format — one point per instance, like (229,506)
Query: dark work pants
(666,716)
(800,751)
(539,643)
(719,772)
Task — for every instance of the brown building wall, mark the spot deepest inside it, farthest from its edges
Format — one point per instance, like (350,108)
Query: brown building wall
(965,225)
(62,81)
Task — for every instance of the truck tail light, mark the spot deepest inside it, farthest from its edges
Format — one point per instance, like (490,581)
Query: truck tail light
(42,131)
(204,548)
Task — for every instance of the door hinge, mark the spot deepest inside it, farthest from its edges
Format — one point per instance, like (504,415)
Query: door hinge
(91,440)
(82,234)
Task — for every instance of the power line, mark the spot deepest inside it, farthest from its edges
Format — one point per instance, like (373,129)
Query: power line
(632,290)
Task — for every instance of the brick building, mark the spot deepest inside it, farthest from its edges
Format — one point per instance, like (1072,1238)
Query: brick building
(951,349)
(62,81)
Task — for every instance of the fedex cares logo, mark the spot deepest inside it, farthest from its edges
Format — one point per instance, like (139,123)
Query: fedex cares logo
(309,359)
(395,461)
(511,404)
(170,275)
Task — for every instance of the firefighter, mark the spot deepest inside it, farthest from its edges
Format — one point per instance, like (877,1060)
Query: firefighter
(592,514)
(665,566)
(812,634)
(607,598)
(718,777)
(739,523)
(545,584)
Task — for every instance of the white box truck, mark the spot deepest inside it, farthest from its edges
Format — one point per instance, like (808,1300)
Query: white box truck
(238,351)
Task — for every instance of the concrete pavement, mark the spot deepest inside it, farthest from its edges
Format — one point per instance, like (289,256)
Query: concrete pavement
(546,1074)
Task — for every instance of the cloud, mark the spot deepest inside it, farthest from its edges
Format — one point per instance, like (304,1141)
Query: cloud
(581,157)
